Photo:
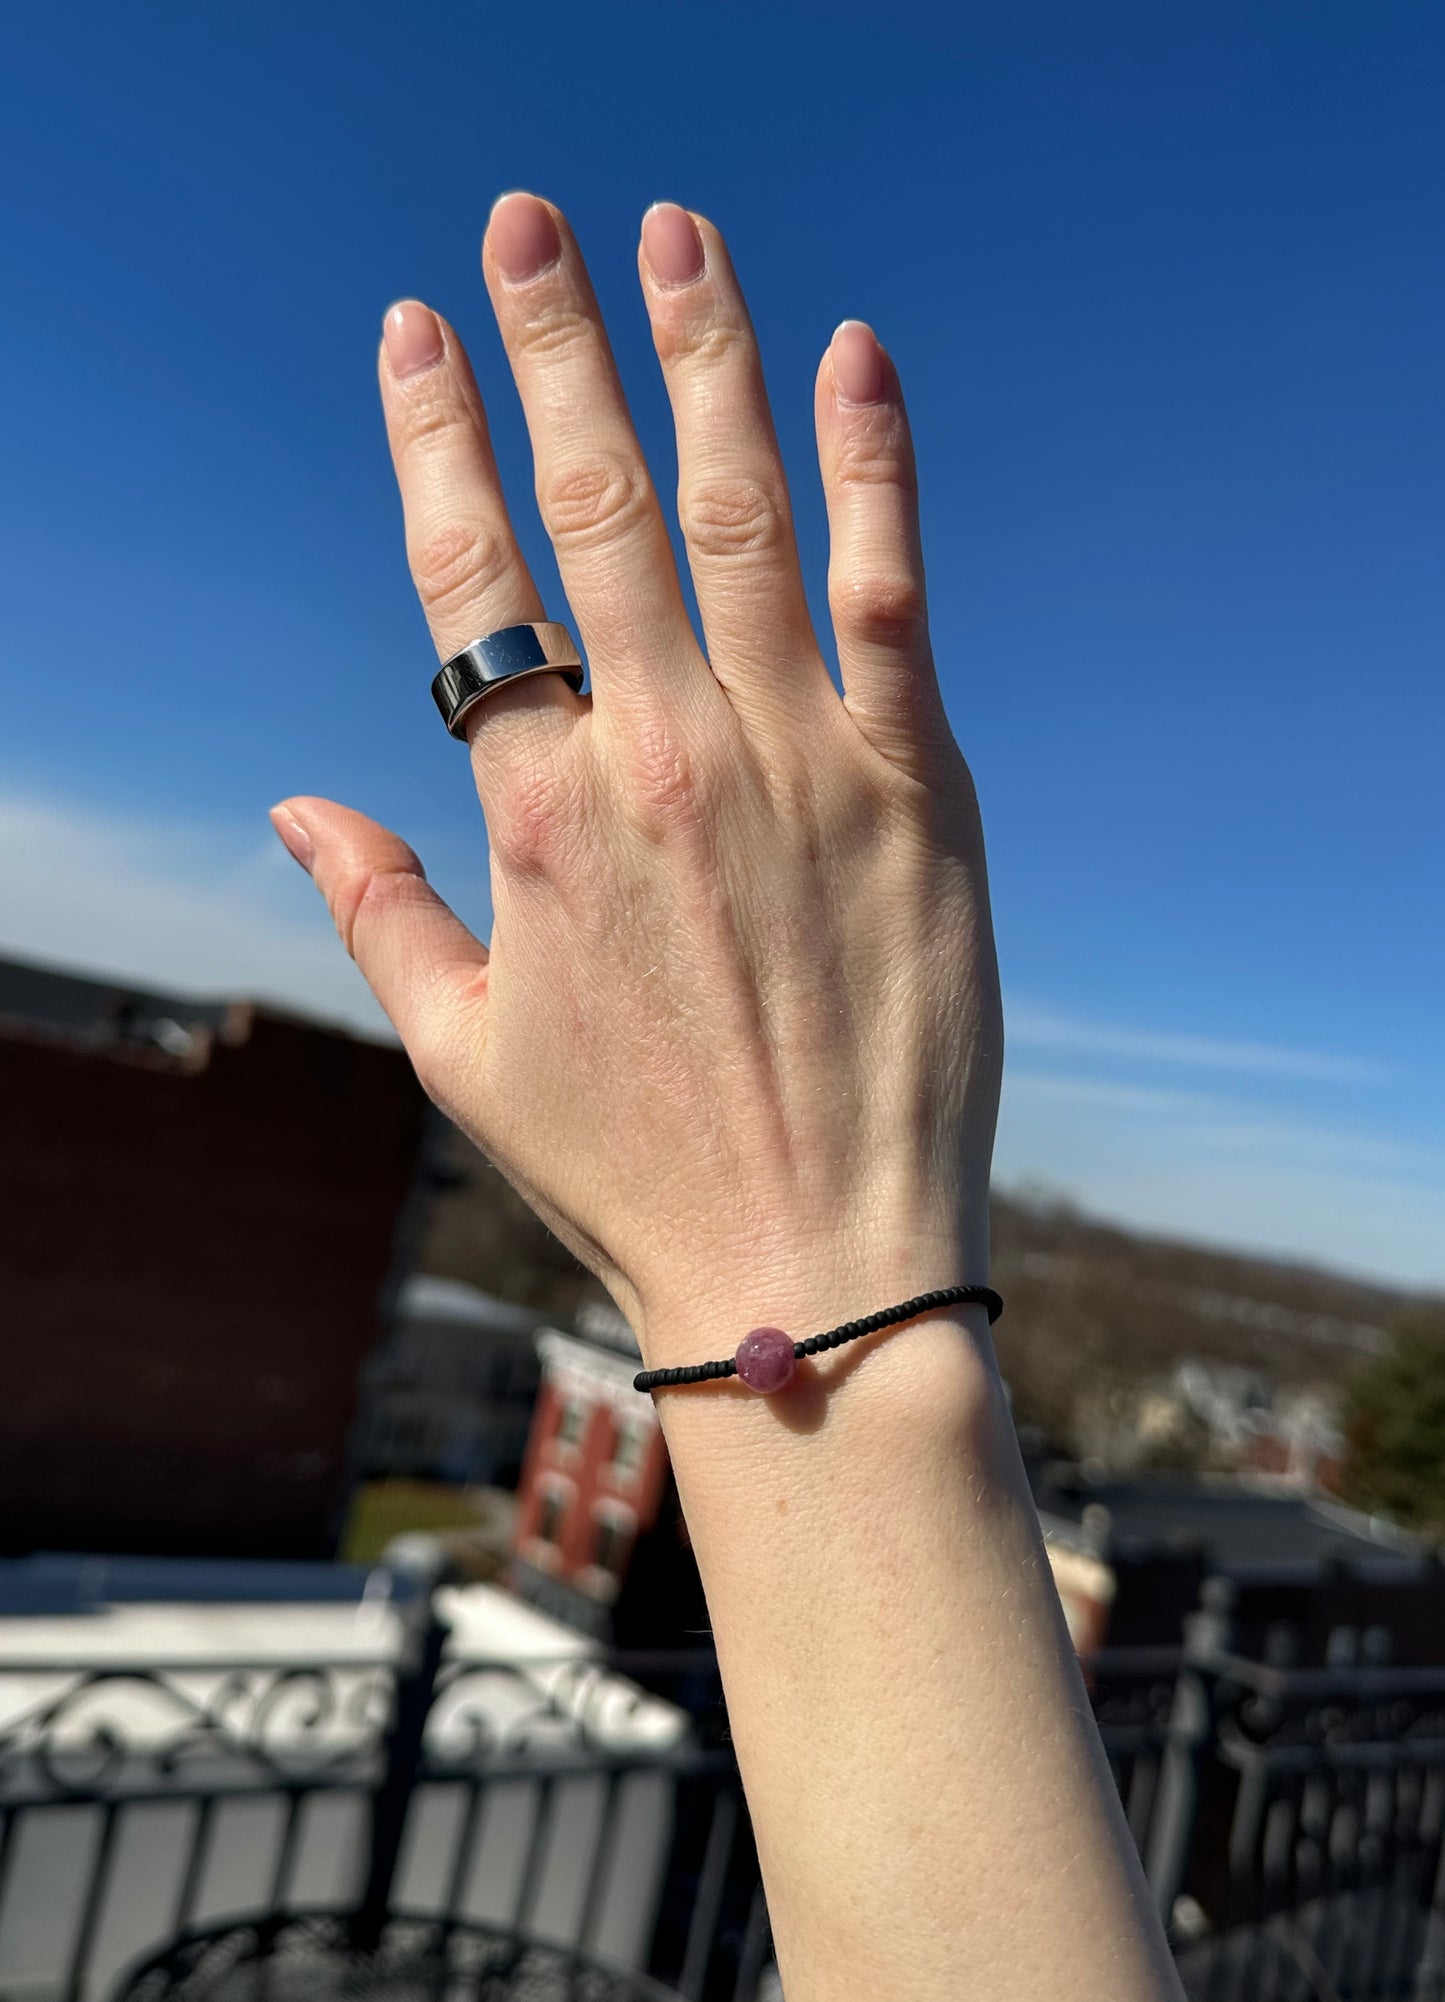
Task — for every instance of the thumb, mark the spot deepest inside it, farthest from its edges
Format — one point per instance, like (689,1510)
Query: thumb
(425,968)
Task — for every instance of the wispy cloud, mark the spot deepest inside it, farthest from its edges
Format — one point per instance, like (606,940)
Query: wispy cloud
(221,910)
(1031,1027)
(1228,1124)
(1230,1170)
(202,909)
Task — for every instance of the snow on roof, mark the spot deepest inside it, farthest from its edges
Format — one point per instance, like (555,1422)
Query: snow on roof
(527,1653)
(426,1298)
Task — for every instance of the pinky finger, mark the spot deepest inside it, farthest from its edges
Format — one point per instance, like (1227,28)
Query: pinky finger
(875,571)
(425,968)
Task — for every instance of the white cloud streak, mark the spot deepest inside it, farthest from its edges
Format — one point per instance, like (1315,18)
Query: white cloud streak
(202,910)
(215,910)
(1229,1171)
(1031,1027)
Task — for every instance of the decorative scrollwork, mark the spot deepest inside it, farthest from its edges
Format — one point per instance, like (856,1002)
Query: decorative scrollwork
(486,1711)
(115,1730)
(1283,1720)
(104,1731)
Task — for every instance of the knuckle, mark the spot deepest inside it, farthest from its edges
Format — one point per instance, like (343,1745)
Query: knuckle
(527,826)
(460,561)
(886,607)
(592,500)
(733,515)
(872,454)
(555,334)
(433,419)
(370,895)
(706,343)
(667,791)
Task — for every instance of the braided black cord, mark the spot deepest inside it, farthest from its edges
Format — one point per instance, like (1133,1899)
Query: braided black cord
(948,1296)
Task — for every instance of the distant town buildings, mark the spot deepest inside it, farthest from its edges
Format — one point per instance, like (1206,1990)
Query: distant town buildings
(450,1395)
(202,1208)
(209,1215)
(1218,1417)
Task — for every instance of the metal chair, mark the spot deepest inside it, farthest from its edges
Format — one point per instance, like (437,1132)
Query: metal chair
(314,1957)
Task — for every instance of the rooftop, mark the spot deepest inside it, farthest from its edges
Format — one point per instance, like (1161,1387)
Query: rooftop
(1241,1528)
(109,1013)
(453,1302)
(102,1013)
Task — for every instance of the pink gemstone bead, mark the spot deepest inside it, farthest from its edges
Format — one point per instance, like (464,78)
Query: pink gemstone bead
(765,1359)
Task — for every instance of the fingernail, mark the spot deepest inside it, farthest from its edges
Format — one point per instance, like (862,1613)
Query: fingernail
(523,236)
(671,244)
(858,364)
(294,835)
(413,337)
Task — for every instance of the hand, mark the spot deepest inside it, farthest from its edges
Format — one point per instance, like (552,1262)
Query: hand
(738,1041)
(737,1038)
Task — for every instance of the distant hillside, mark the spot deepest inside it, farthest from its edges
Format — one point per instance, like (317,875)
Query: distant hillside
(1089,1304)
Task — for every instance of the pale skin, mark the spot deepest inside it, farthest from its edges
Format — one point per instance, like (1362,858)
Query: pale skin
(737,1038)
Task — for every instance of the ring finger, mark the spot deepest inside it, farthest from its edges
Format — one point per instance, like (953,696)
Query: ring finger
(732,492)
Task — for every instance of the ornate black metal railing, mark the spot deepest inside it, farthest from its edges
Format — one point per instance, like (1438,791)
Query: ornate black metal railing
(554,1800)
(1317,1832)
(137,1728)
(560,1818)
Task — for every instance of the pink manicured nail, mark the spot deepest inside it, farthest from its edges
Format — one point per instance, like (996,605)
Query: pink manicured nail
(294,835)
(672,245)
(523,237)
(413,338)
(858,364)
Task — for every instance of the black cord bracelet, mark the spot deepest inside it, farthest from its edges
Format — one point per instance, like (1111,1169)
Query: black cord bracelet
(767,1357)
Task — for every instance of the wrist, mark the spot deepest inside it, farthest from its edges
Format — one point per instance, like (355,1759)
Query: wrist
(820,1282)
(925,1392)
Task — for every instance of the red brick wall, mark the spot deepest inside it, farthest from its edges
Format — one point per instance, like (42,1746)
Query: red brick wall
(190,1266)
(588,1466)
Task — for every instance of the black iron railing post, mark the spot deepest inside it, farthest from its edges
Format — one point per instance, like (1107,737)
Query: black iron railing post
(1189,1746)
(418,1567)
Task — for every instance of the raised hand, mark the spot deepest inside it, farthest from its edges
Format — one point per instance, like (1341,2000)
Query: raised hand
(738,1040)
(739,1015)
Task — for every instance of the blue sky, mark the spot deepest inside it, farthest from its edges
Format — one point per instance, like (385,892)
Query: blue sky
(1166,292)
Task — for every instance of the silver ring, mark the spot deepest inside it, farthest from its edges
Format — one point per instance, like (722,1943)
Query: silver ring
(502,656)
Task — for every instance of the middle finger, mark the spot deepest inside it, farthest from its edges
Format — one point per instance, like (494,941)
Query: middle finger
(593,489)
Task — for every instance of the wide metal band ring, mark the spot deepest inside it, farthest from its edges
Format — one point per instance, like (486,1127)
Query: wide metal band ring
(502,656)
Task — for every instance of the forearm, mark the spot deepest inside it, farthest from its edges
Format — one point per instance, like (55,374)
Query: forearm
(738,1028)
(932,1808)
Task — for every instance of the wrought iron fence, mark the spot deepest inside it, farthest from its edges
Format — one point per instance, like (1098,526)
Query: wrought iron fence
(1315,1830)
(560,1821)
(557,1799)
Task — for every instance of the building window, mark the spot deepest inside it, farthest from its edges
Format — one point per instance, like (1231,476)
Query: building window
(610,1545)
(573,1422)
(554,1508)
(628,1456)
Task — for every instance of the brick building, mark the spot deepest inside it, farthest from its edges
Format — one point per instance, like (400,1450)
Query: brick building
(202,1207)
(600,1539)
